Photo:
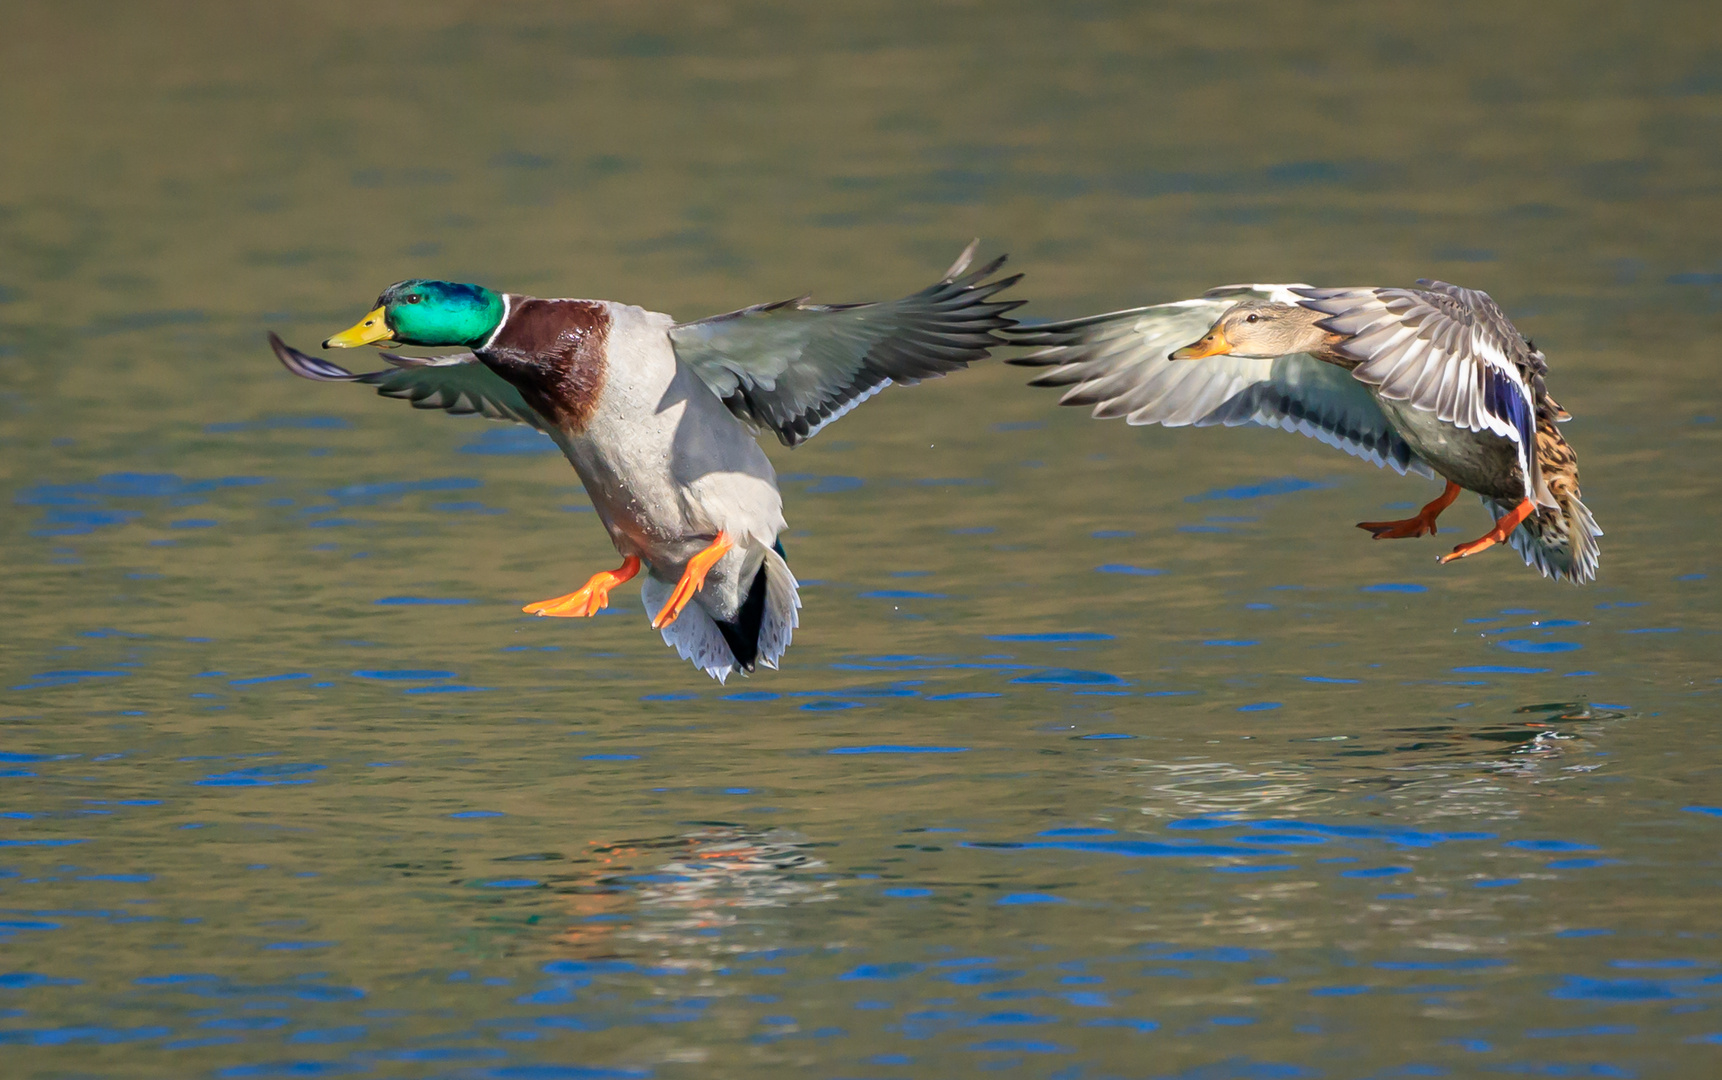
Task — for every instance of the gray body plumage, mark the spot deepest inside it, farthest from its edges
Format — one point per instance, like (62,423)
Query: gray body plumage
(667,467)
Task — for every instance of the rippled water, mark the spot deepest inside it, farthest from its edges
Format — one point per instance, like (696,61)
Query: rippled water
(1101,752)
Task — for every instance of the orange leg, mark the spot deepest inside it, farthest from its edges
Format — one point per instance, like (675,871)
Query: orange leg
(1421,525)
(590,598)
(692,578)
(1498,535)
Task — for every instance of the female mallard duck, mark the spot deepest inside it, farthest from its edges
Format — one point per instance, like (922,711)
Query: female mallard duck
(658,419)
(1435,381)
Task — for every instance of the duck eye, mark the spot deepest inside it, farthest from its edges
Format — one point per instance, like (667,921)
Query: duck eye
(414,298)
(1252,318)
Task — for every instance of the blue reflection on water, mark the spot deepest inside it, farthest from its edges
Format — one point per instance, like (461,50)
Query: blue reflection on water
(388,490)
(1524,645)
(1284,485)
(263,776)
(510,441)
(1070,677)
(258,679)
(79,508)
(1131,848)
(103,1036)
(29,980)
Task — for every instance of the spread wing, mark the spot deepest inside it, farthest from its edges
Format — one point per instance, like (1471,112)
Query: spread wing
(794,367)
(1118,364)
(457,383)
(1448,350)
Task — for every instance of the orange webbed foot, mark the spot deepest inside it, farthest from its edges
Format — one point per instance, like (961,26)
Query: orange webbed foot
(590,598)
(692,578)
(1498,535)
(1400,530)
(1421,525)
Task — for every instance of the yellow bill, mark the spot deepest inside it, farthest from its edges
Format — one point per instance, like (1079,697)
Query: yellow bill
(371,330)
(1214,344)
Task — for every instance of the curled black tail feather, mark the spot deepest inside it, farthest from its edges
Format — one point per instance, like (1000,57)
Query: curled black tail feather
(742,635)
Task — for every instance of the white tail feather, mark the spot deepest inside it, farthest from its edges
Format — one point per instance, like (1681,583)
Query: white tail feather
(782,601)
(696,637)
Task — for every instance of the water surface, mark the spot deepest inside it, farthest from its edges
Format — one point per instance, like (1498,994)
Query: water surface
(1101,751)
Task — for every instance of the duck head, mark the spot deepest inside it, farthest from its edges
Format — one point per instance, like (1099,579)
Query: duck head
(1259,330)
(423,312)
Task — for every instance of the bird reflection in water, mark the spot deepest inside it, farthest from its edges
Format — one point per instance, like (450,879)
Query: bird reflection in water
(680,890)
(1447,753)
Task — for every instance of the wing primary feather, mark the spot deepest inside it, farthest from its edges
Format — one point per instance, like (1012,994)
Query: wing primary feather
(308,367)
(795,367)
(458,383)
(963,260)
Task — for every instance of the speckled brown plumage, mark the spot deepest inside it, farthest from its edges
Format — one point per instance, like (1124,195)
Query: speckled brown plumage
(1556,458)
(1560,540)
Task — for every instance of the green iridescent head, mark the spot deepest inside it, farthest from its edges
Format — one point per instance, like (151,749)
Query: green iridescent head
(423,312)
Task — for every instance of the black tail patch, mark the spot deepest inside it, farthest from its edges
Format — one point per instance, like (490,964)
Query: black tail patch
(743,633)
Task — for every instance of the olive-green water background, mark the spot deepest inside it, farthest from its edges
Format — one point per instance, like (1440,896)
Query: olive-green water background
(1100,752)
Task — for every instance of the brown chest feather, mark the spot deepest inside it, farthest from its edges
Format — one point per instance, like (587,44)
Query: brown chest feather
(553,352)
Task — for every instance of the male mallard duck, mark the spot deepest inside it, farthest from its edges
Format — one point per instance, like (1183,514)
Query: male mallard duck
(658,419)
(1435,381)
